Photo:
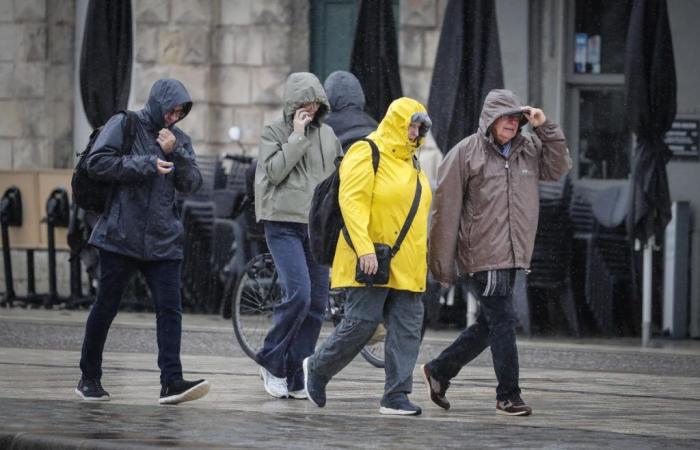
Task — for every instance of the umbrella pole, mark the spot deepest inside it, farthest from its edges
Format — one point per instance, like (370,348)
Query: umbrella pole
(646,292)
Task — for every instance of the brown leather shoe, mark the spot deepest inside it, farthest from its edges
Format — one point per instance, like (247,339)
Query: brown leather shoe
(436,389)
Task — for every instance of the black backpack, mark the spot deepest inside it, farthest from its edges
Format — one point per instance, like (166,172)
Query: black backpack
(88,193)
(325,218)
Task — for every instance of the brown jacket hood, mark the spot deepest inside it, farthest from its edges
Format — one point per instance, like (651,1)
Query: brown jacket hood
(499,102)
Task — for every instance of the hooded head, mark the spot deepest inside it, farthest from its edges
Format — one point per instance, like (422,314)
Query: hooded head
(499,102)
(393,129)
(344,91)
(304,87)
(166,94)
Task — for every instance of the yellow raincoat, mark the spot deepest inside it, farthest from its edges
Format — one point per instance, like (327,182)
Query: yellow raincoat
(375,206)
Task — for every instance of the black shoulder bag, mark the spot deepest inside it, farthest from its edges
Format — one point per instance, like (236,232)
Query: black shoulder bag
(383,251)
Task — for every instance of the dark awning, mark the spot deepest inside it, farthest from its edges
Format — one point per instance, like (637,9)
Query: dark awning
(375,56)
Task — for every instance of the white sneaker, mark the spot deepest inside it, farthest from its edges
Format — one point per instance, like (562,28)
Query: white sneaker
(276,387)
(300,394)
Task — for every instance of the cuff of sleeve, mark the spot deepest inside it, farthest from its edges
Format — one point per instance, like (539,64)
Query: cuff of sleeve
(364,248)
(179,154)
(296,138)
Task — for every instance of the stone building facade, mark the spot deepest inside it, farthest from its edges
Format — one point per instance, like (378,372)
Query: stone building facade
(36,83)
(233,56)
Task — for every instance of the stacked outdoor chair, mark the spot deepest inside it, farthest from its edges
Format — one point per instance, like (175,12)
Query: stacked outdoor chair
(198,215)
(233,247)
(550,276)
(607,265)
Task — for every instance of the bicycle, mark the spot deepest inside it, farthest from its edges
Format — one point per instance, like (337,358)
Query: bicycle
(258,291)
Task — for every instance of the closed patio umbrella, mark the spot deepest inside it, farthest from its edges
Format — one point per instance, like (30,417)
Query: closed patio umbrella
(105,59)
(651,107)
(467,67)
(375,56)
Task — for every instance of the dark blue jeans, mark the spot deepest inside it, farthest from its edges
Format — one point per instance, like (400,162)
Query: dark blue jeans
(163,279)
(494,327)
(298,318)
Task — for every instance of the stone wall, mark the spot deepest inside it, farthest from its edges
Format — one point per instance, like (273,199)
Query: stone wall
(233,56)
(36,83)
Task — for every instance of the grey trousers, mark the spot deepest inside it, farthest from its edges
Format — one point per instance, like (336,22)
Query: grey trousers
(365,308)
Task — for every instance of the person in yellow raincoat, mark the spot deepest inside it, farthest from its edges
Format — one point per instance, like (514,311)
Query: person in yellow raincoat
(375,207)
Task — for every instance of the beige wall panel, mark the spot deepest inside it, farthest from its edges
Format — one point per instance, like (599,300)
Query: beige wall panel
(49,180)
(26,236)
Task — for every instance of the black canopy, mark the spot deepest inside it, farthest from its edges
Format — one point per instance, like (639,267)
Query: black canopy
(105,60)
(375,56)
(650,76)
(467,67)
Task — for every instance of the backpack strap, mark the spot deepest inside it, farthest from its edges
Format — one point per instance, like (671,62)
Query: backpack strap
(128,131)
(375,153)
(414,206)
(375,166)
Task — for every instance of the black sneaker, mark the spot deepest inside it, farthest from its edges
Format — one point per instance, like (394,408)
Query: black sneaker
(514,406)
(399,406)
(436,389)
(183,391)
(315,390)
(91,390)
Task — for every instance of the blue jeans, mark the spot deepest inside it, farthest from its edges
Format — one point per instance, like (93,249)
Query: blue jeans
(494,327)
(163,279)
(365,308)
(298,318)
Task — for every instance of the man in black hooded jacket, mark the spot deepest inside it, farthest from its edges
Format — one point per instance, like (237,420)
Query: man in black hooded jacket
(347,117)
(140,230)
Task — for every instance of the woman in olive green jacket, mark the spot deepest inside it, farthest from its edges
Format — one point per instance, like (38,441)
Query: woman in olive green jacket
(297,151)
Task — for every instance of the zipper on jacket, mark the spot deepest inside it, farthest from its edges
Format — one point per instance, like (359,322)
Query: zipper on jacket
(510,228)
(320,145)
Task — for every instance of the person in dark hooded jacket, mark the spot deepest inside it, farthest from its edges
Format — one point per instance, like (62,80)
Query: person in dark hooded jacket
(347,117)
(140,230)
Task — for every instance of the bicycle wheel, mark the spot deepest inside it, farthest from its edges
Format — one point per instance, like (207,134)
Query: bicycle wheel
(255,296)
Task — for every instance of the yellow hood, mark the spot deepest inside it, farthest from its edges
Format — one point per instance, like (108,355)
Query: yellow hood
(392,132)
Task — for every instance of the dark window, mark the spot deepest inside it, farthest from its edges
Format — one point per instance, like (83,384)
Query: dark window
(333,25)
(601,33)
(604,141)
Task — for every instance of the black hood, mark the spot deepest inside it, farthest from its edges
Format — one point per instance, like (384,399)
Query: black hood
(166,94)
(344,91)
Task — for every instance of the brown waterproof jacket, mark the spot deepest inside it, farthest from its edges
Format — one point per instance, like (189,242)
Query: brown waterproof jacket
(486,206)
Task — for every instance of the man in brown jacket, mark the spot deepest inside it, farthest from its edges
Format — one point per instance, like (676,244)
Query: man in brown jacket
(484,217)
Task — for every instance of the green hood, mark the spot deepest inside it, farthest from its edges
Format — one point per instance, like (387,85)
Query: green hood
(304,87)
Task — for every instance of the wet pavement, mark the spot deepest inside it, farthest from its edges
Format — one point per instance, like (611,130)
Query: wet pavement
(585,394)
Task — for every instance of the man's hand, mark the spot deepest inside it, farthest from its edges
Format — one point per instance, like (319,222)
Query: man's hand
(301,119)
(369,264)
(164,167)
(535,116)
(166,140)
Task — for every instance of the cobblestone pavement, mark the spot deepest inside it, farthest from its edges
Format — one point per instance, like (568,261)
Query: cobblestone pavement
(586,394)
